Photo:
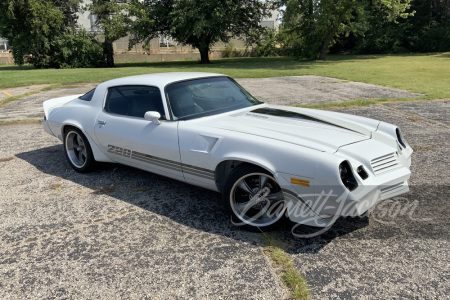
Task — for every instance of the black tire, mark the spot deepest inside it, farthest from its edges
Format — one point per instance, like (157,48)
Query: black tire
(77,150)
(246,210)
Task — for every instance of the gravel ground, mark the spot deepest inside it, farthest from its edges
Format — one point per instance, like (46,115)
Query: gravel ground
(123,233)
(116,233)
(316,90)
(31,106)
(275,90)
(388,256)
(5,93)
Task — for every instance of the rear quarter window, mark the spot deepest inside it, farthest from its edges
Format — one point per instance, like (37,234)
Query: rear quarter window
(88,95)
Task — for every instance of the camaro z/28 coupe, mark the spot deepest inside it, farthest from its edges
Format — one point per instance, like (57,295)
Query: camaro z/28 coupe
(268,161)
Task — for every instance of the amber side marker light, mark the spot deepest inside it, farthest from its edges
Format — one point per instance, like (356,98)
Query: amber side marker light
(299,181)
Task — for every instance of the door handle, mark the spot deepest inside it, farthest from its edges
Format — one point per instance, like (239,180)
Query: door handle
(101,122)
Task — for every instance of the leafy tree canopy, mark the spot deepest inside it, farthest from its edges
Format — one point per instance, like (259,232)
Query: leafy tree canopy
(43,33)
(199,23)
(426,31)
(112,17)
(315,24)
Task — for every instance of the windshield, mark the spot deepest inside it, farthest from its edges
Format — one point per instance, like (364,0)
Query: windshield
(205,97)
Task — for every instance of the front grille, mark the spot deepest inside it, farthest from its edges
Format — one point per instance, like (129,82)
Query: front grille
(384,163)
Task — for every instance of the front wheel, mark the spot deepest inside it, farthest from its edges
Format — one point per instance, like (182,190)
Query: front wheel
(253,198)
(78,151)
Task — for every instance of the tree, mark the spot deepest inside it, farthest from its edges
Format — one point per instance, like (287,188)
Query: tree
(69,8)
(30,26)
(426,31)
(44,33)
(112,18)
(77,49)
(267,42)
(318,23)
(149,20)
(430,28)
(199,23)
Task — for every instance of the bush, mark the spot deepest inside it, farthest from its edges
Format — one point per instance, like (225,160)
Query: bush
(228,51)
(268,42)
(72,49)
(78,50)
(435,38)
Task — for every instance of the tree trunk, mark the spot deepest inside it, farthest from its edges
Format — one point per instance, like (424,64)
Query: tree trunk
(327,42)
(108,52)
(310,17)
(204,55)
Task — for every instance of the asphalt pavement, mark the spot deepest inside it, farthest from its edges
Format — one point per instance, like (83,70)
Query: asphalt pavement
(121,233)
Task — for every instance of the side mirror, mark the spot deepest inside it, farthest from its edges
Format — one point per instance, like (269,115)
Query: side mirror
(153,116)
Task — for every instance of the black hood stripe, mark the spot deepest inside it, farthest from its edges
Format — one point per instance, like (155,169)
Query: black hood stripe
(290,114)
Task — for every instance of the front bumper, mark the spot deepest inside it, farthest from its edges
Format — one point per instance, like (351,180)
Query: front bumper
(325,204)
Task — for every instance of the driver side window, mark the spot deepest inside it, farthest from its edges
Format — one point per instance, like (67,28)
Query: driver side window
(134,100)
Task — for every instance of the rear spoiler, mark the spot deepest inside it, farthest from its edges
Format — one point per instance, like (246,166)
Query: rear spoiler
(56,102)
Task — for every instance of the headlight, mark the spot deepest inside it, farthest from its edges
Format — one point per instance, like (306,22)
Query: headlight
(362,172)
(400,139)
(347,177)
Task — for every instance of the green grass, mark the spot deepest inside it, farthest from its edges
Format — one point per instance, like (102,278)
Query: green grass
(20,121)
(276,249)
(361,102)
(5,159)
(428,74)
(105,190)
(18,97)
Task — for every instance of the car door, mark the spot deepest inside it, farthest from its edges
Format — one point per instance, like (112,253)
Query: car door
(126,137)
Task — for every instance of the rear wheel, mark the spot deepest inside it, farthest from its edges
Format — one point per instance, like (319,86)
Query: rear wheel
(253,198)
(78,151)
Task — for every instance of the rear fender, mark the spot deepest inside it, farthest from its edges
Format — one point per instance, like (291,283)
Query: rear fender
(57,102)
(98,154)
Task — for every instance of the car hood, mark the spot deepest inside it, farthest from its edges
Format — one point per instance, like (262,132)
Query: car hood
(319,130)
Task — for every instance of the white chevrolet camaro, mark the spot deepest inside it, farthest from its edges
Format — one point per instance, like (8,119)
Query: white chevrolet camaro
(268,161)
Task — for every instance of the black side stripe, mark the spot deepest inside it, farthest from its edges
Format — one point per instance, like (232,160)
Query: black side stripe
(161,162)
(210,177)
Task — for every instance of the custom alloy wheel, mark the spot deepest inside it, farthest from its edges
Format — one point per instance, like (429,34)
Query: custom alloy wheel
(254,198)
(78,150)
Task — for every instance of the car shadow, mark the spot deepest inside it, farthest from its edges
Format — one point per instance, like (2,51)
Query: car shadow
(180,202)
(306,239)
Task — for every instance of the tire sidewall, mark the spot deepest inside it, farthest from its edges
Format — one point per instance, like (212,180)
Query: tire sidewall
(235,175)
(89,156)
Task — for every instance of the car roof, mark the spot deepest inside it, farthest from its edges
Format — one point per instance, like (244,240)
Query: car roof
(158,79)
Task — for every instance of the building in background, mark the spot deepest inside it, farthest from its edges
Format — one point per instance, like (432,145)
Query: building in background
(4,46)
(165,44)
(162,48)
(272,21)
(6,57)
